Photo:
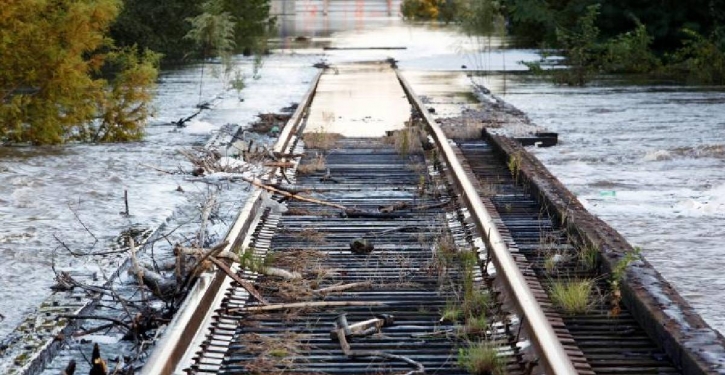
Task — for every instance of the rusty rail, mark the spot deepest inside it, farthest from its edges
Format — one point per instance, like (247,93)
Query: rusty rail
(553,356)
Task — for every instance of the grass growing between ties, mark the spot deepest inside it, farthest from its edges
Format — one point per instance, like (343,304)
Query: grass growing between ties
(408,140)
(273,355)
(589,256)
(321,140)
(249,261)
(318,164)
(481,358)
(572,296)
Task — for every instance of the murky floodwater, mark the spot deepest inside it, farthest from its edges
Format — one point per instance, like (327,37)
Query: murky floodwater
(648,159)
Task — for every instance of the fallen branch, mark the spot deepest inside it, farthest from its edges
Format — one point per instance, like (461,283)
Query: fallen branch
(261,185)
(344,287)
(354,213)
(244,284)
(342,329)
(303,305)
(94,317)
(279,272)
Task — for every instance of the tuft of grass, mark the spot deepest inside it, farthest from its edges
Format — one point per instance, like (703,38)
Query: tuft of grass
(481,358)
(588,256)
(320,139)
(407,140)
(514,165)
(251,262)
(476,326)
(318,164)
(451,313)
(550,263)
(312,235)
(572,296)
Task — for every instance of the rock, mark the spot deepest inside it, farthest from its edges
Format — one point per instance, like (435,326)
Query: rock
(361,246)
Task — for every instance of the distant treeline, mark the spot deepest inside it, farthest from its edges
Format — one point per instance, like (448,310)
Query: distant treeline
(685,38)
(163,25)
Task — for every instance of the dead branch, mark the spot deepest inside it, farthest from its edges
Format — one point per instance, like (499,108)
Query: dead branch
(343,330)
(82,223)
(355,213)
(244,284)
(95,317)
(201,264)
(261,185)
(205,212)
(344,287)
(304,305)
(279,272)
(78,254)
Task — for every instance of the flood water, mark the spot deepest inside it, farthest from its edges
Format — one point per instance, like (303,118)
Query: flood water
(648,159)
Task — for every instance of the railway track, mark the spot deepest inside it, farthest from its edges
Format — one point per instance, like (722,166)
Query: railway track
(431,257)
(406,260)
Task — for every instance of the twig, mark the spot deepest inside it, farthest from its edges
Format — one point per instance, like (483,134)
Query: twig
(302,305)
(93,330)
(82,223)
(77,254)
(95,317)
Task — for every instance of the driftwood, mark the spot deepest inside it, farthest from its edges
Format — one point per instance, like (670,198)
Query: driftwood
(304,305)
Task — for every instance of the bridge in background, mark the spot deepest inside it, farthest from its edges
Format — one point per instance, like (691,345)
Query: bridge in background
(375,8)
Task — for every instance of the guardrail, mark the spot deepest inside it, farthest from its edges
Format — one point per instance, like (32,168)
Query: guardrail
(553,356)
(192,318)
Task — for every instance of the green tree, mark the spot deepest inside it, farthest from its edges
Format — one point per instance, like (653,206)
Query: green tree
(580,48)
(213,33)
(52,56)
(252,24)
(158,25)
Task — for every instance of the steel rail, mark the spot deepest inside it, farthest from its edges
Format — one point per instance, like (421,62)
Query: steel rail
(554,357)
(193,315)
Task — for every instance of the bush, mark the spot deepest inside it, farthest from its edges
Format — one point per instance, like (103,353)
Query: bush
(700,59)
(630,53)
